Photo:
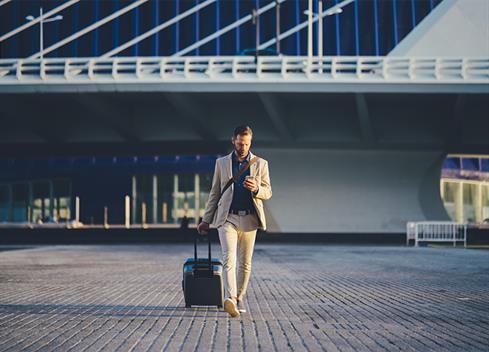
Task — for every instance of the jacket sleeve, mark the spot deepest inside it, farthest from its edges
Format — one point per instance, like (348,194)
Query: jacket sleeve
(264,188)
(214,194)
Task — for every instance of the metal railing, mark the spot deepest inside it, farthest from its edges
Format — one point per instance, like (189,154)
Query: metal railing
(436,231)
(245,68)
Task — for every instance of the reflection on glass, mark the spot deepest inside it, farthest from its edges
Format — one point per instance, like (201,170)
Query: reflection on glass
(171,197)
(36,201)
(449,196)
(472,203)
(19,202)
(4,203)
(485,203)
(468,201)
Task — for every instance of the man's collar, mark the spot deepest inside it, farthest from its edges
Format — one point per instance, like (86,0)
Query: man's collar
(235,157)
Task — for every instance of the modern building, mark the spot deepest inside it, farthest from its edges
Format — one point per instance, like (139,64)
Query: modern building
(163,190)
(138,98)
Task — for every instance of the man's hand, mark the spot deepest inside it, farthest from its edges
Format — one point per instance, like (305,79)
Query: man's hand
(203,228)
(251,184)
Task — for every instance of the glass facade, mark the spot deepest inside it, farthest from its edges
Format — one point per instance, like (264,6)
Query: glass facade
(5,199)
(161,189)
(168,198)
(464,188)
(158,199)
(466,201)
(36,201)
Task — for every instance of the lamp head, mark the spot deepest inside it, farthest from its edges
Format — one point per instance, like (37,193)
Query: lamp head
(306,12)
(336,11)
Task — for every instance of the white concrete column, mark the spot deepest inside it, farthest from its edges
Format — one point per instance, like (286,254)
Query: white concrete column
(77,210)
(127,200)
(134,199)
(155,199)
(175,198)
(143,215)
(106,217)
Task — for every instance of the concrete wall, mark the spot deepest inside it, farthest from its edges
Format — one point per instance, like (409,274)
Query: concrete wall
(454,28)
(352,191)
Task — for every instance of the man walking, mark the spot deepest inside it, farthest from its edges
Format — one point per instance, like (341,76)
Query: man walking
(238,213)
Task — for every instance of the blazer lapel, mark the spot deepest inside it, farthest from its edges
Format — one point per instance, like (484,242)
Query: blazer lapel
(229,169)
(252,166)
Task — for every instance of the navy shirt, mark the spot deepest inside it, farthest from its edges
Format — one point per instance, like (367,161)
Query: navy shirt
(242,197)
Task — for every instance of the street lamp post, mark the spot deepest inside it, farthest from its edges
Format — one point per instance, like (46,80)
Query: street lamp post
(41,30)
(319,17)
(277,25)
(320,35)
(309,34)
(256,21)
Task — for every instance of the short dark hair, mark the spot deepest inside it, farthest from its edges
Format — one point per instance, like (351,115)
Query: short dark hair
(243,130)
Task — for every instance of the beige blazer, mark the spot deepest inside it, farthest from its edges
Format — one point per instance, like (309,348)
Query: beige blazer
(217,210)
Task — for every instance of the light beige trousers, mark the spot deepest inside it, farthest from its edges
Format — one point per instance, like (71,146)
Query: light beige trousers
(237,237)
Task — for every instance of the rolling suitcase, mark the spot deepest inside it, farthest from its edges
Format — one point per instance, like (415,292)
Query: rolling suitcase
(202,280)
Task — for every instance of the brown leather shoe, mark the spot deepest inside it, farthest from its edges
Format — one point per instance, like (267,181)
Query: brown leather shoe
(230,307)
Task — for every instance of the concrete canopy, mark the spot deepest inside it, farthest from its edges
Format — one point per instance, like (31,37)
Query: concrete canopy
(198,122)
(339,162)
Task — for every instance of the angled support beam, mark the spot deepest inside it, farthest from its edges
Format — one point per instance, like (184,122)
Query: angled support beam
(37,20)
(191,112)
(4,2)
(89,28)
(108,114)
(274,112)
(157,28)
(364,118)
(304,24)
(226,29)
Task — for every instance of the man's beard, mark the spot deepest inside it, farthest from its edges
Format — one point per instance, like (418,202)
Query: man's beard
(241,154)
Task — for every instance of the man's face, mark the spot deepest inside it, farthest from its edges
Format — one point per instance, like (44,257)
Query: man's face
(242,144)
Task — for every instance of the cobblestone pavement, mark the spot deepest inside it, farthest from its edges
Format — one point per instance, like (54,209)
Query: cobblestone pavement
(301,297)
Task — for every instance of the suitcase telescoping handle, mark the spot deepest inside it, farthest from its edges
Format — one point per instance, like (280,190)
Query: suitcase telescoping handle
(195,248)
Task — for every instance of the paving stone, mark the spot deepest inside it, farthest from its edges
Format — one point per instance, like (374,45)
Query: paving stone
(301,297)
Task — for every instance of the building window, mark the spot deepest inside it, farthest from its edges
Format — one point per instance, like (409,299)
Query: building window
(168,198)
(36,201)
(19,202)
(4,203)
